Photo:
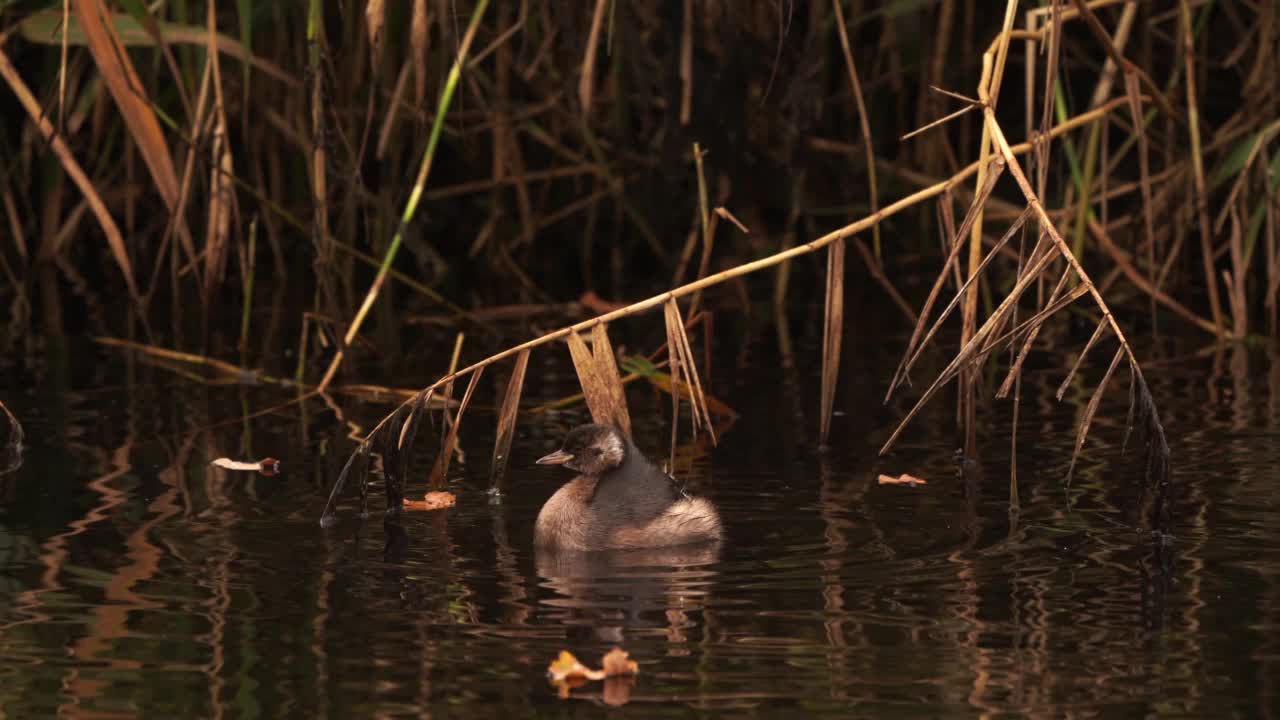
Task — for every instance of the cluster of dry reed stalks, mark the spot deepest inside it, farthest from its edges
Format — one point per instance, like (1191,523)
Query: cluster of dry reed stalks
(238,113)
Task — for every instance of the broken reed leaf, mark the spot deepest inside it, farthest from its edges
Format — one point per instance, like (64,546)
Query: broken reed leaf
(970,350)
(441,467)
(1097,335)
(915,344)
(1035,321)
(507,422)
(359,456)
(832,335)
(961,290)
(689,366)
(266,466)
(607,371)
(434,500)
(903,479)
(1133,401)
(1033,329)
(595,383)
(420,405)
(446,417)
(1090,411)
(673,361)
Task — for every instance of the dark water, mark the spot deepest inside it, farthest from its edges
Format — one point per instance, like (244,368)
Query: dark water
(135,580)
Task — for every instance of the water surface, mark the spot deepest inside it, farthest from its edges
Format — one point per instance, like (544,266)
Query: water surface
(135,580)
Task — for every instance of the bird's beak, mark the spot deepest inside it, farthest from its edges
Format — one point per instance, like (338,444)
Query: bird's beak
(558,457)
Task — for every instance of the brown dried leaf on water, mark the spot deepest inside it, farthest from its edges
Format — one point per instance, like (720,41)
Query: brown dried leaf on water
(434,500)
(903,479)
(265,466)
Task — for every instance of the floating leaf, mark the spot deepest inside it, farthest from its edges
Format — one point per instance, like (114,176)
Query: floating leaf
(265,466)
(566,671)
(903,479)
(434,500)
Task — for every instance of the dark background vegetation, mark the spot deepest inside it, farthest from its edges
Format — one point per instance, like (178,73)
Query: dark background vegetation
(295,170)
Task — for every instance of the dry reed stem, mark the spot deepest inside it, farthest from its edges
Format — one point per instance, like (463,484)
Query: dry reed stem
(686,63)
(221,195)
(122,80)
(860,225)
(115,241)
(375,19)
(440,469)
(915,343)
(832,335)
(684,364)
(705,224)
(1197,165)
(973,347)
(586,84)
(419,47)
(667,298)
(863,120)
(507,415)
(1015,368)
(1153,289)
(1095,25)
(411,206)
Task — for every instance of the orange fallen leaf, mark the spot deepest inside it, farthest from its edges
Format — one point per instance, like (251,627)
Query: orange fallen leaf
(265,466)
(566,667)
(903,479)
(618,662)
(434,500)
